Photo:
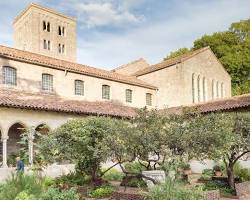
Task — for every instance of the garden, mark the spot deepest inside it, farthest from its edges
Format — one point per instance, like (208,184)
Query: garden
(152,141)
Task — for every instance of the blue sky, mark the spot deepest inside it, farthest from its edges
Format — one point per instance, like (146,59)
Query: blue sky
(114,32)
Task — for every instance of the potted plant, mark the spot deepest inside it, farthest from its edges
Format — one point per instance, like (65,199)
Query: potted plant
(217,170)
(187,169)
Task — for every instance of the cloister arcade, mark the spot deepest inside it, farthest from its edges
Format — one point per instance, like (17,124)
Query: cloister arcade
(13,122)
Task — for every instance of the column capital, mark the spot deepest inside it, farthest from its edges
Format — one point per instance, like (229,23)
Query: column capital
(4,137)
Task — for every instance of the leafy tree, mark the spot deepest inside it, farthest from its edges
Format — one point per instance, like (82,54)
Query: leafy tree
(219,136)
(176,53)
(81,141)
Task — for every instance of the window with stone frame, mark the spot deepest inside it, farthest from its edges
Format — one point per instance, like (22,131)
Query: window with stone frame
(106,92)
(9,76)
(47,82)
(129,94)
(148,99)
(44,25)
(79,87)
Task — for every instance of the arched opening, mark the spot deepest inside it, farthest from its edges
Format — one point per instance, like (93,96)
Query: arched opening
(193,88)
(13,147)
(199,88)
(43,129)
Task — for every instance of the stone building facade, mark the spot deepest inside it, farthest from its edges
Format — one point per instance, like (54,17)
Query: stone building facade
(41,85)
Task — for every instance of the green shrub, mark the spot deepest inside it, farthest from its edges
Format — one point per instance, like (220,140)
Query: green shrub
(185,166)
(242,173)
(134,167)
(18,183)
(25,196)
(207,174)
(55,194)
(217,168)
(175,190)
(72,178)
(137,183)
(216,185)
(101,192)
(113,175)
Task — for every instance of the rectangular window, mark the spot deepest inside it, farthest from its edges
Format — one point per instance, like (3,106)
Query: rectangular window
(47,82)
(79,87)
(105,92)
(9,76)
(148,99)
(128,95)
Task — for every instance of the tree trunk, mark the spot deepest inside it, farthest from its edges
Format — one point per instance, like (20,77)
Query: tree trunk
(230,175)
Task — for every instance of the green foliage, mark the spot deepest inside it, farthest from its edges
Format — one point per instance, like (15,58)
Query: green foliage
(101,192)
(84,142)
(185,166)
(172,189)
(232,48)
(27,185)
(217,168)
(137,183)
(25,196)
(222,187)
(72,178)
(207,174)
(241,172)
(134,167)
(55,194)
(176,53)
(113,175)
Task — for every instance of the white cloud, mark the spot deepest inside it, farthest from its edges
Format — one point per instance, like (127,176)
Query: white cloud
(103,14)
(155,40)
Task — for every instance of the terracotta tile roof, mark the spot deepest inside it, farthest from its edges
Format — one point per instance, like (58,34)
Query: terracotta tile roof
(170,62)
(45,102)
(25,56)
(226,104)
(141,61)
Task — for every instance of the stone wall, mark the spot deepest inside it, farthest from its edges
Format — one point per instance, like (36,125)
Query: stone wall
(243,188)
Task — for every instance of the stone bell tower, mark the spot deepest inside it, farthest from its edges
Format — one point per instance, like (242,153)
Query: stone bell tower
(44,31)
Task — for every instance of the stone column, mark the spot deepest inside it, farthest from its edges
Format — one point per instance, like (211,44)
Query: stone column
(4,141)
(31,138)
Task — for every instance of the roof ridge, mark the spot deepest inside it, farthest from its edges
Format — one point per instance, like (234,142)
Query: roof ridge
(132,62)
(47,61)
(171,61)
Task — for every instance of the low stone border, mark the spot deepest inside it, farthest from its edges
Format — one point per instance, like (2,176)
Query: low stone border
(127,196)
(242,188)
(212,195)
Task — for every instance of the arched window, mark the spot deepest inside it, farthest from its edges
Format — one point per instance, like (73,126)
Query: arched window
(222,90)
(105,92)
(63,48)
(193,88)
(59,30)
(148,99)
(47,82)
(44,25)
(213,89)
(9,75)
(204,89)
(199,88)
(48,27)
(44,44)
(79,87)
(217,90)
(128,95)
(49,45)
